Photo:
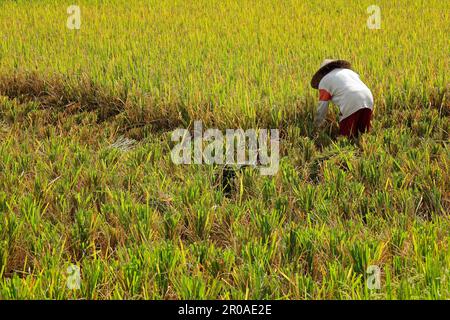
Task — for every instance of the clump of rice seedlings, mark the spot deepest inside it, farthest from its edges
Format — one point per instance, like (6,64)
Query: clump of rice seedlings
(196,287)
(171,222)
(306,197)
(307,287)
(85,224)
(86,176)
(202,222)
(166,260)
(227,180)
(365,254)
(269,190)
(398,239)
(94,276)
(300,248)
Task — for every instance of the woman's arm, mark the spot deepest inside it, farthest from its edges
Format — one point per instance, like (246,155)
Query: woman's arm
(322,108)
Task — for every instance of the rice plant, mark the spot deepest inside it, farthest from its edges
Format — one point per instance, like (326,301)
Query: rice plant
(86,177)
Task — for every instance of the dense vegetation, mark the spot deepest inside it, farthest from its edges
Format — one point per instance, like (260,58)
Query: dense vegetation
(140,226)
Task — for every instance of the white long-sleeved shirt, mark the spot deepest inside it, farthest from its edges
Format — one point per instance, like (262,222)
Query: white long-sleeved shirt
(346,90)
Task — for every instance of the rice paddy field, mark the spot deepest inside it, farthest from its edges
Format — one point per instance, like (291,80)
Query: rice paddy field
(139,226)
